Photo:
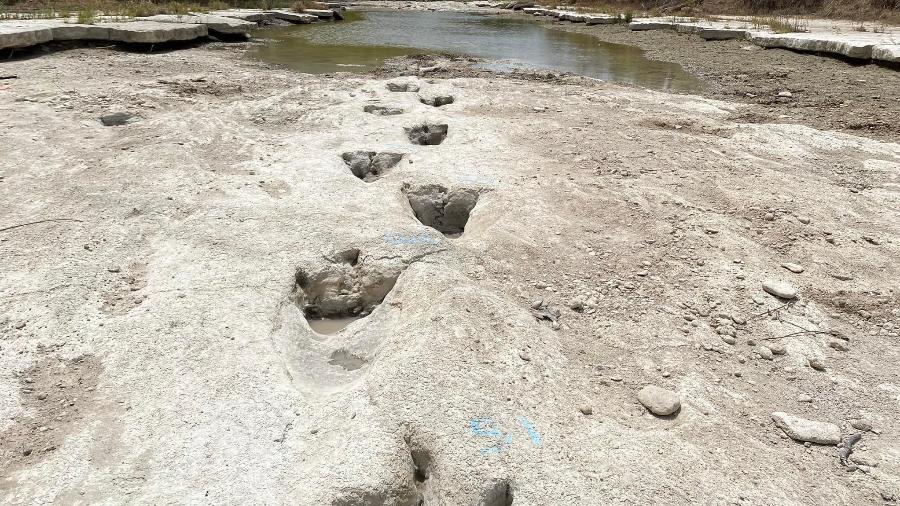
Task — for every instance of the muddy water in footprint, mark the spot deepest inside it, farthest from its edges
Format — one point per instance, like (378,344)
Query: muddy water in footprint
(367,39)
(327,326)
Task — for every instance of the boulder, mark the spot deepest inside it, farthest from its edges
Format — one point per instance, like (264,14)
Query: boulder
(801,429)
(659,401)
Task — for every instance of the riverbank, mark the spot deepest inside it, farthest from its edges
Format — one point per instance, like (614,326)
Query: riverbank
(826,93)
(159,273)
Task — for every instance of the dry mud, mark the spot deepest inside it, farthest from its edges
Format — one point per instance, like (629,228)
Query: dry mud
(157,277)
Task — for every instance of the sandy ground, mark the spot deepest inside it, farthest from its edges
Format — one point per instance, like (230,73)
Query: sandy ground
(153,349)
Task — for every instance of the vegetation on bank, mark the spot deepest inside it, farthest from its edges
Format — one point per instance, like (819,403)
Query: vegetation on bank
(781,13)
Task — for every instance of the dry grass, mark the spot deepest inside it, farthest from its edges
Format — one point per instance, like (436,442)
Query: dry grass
(780,24)
(303,5)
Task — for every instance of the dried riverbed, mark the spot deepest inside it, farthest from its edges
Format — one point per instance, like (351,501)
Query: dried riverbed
(548,248)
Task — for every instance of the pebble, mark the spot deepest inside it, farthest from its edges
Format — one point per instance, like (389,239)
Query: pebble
(576,304)
(537,304)
(729,340)
(785,94)
(801,429)
(776,347)
(804,398)
(860,424)
(838,345)
(780,289)
(727,330)
(586,409)
(769,216)
(804,220)
(816,364)
(765,353)
(659,401)
(795,268)
(841,277)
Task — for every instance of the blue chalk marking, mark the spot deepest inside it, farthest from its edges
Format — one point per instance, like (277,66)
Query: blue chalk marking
(402,240)
(484,427)
(532,432)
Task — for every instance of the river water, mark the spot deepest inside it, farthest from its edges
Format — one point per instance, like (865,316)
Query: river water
(366,39)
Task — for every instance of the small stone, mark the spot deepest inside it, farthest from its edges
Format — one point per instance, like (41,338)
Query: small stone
(525,356)
(776,347)
(586,409)
(816,364)
(769,216)
(42,397)
(26,452)
(872,240)
(537,304)
(576,304)
(116,119)
(785,94)
(860,424)
(765,353)
(729,340)
(113,269)
(795,268)
(727,330)
(19,325)
(804,398)
(841,277)
(801,429)
(659,401)
(838,345)
(780,289)
(804,220)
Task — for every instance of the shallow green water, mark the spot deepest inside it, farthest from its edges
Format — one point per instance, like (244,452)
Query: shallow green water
(365,40)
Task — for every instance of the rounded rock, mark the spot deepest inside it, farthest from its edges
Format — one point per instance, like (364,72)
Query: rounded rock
(659,401)
(780,289)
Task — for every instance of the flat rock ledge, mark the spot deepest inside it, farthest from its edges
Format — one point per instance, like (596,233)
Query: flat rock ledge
(801,429)
(222,25)
(148,30)
(24,34)
(879,47)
